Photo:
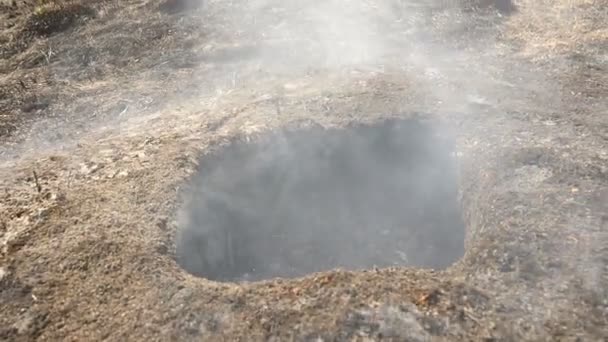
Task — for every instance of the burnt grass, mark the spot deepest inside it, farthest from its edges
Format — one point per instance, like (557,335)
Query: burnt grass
(90,246)
(50,49)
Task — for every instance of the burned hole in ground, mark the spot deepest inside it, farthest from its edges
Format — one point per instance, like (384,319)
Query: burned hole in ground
(294,202)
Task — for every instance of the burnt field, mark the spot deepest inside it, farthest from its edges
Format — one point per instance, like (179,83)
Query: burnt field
(320,171)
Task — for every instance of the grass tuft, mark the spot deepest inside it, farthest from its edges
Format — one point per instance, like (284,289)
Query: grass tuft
(51,17)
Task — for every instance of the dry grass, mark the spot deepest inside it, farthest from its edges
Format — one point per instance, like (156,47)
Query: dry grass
(559,26)
(56,16)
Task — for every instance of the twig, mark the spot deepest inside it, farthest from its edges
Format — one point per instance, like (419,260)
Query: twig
(124,110)
(471,316)
(38,187)
(69,178)
(48,55)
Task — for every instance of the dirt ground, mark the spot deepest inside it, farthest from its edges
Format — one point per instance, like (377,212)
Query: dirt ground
(107,107)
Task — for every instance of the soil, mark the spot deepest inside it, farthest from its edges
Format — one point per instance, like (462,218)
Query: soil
(106,115)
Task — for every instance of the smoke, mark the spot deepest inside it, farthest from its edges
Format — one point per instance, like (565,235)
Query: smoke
(258,40)
(320,34)
(456,60)
(453,56)
(297,202)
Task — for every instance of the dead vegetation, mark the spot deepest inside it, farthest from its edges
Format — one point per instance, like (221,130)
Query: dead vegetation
(83,233)
(54,17)
(54,52)
(546,27)
(25,23)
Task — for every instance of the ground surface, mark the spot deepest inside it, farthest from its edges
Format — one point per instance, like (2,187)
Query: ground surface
(105,112)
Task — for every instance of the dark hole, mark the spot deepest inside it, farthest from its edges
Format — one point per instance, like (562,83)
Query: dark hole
(303,201)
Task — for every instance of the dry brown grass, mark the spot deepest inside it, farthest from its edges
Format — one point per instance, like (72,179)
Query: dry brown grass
(56,16)
(559,26)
